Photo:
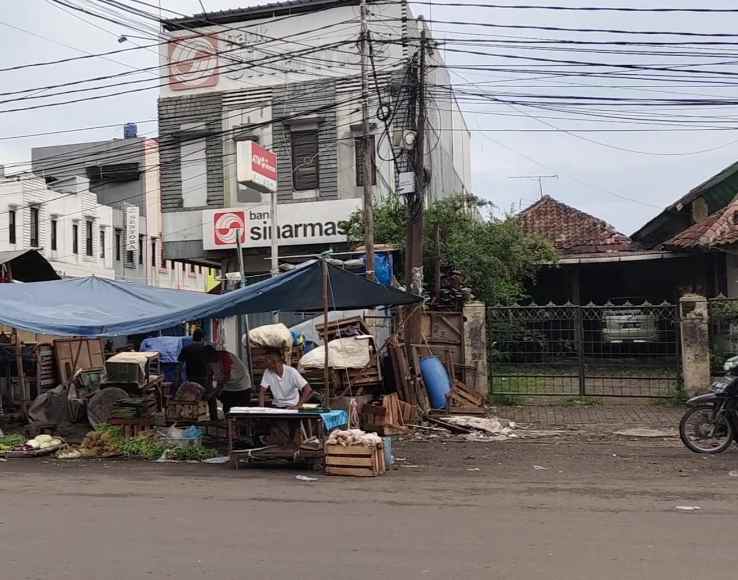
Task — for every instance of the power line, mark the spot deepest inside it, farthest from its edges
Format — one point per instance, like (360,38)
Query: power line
(566,8)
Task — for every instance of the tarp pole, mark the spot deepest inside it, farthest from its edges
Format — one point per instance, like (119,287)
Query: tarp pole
(326,370)
(244,317)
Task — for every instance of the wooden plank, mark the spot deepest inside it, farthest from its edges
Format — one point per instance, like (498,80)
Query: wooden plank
(350,471)
(356,450)
(348,461)
(458,429)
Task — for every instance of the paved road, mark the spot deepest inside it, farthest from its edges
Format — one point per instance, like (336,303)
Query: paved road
(600,509)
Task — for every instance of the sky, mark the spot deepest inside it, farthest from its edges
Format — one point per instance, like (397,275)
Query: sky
(623,177)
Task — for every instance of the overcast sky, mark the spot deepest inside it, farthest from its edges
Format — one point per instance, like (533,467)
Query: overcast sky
(596,171)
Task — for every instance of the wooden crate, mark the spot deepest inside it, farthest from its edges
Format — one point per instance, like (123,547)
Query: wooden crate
(133,427)
(187,411)
(355,461)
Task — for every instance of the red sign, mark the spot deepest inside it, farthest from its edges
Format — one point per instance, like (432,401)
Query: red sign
(226,225)
(193,63)
(256,166)
(263,161)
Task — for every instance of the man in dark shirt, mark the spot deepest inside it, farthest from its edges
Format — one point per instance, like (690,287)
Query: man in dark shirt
(197,358)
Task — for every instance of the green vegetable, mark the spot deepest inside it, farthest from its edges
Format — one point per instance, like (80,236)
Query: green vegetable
(9,442)
(195,453)
(146,445)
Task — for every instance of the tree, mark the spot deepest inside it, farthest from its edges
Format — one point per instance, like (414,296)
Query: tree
(497,258)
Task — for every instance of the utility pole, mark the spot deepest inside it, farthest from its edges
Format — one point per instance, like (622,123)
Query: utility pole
(275,246)
(368,151)
(243,321)
(416,203)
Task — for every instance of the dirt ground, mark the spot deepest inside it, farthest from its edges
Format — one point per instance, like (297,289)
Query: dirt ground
(596,506)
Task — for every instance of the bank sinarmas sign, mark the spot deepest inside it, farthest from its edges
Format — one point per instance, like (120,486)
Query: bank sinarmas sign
(321,222)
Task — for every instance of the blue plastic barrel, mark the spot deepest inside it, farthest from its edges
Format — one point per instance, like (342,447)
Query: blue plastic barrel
(436,381)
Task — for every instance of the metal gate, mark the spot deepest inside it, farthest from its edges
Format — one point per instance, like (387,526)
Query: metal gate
(611,350)
(723,329)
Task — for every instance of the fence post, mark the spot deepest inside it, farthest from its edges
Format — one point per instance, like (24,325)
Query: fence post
(579,339)
(475,343)
(695,343)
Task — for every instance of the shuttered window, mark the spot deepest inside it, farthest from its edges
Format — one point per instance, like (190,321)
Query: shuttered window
(305,161)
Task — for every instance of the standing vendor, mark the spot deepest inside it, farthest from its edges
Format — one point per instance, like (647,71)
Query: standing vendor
(197,358)
(288,387)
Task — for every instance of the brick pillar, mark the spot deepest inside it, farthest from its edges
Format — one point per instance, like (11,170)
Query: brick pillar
(475,343)
(695,343)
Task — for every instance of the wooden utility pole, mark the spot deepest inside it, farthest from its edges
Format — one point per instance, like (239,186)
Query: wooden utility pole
(326,304)
(368,150)
(243,321)
(416,204)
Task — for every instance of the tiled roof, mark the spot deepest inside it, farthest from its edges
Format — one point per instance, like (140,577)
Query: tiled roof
(570,230)
(718,229)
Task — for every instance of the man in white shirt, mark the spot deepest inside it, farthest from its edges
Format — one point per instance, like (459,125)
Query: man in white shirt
(288,387)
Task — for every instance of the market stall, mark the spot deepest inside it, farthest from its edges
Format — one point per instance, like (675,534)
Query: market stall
(94,307)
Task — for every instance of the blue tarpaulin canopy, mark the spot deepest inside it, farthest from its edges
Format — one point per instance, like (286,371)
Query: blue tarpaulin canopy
(98,307)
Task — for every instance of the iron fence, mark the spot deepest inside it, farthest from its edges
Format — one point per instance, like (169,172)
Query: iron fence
(610,350)
(723,331)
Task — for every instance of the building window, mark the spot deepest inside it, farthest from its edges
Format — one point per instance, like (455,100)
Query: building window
(141,250)
(11,226)
(192,268)
(305,161)
(102,243)
(54,224)
(153,252)
(75,239)
(162,259)
(88,237)
(118,236)
(130,259)
(34,227)
(359,149)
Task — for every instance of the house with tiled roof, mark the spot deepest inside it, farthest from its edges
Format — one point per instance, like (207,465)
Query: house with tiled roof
(598,264)
(704,224)
(570,230)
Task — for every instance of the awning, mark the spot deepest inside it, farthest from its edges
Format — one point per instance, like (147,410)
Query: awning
(99,307)
(28,266)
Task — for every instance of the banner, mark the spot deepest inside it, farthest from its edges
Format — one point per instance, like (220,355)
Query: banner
(321,222)
(132,228)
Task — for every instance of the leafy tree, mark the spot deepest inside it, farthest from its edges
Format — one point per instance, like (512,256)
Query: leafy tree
(497,258)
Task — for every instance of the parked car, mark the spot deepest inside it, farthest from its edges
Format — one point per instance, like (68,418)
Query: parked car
(626,324)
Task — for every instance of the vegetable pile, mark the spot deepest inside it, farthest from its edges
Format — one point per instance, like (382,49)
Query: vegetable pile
(108,441)
(10,442)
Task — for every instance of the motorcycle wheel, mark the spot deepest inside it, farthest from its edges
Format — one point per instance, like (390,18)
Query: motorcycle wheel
(701,434)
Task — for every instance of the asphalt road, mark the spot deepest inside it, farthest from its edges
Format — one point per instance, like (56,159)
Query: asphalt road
(599,510)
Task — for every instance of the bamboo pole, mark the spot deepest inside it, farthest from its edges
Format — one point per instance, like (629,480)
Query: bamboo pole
(326,370)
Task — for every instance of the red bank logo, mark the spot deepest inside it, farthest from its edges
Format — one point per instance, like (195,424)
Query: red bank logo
(193,63)
(226,225)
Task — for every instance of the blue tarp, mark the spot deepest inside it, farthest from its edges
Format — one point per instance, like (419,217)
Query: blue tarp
(98,307)
(168,347)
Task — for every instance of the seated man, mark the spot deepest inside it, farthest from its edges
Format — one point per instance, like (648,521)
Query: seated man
(288,387)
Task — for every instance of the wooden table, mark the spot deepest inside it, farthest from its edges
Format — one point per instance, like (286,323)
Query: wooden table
(309,424)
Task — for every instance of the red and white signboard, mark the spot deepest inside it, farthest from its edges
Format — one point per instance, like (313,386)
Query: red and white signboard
(321,222)
(193,63)
(227,225)
(256,166)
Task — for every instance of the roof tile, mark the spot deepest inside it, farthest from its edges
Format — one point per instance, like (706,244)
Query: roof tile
(570,230)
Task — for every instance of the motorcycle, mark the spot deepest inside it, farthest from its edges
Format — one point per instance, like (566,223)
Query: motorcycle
(711,423)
